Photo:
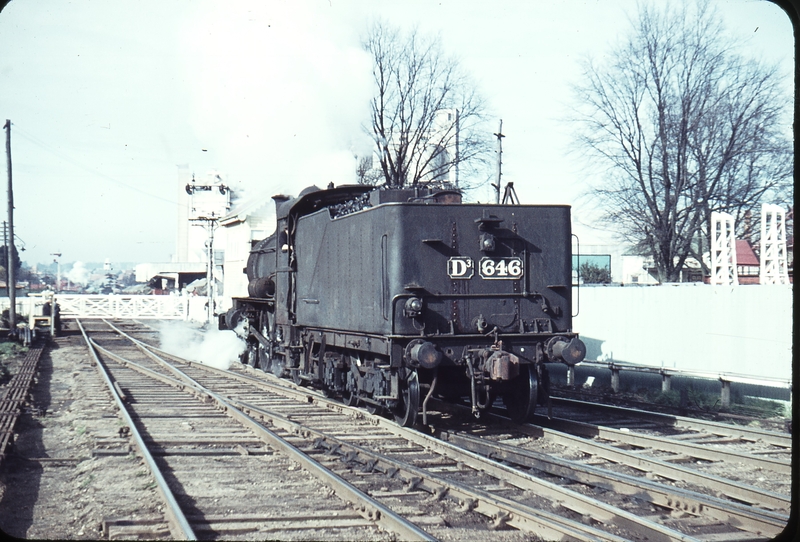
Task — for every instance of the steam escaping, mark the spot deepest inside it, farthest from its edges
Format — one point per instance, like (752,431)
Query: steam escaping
(212,347)
(299,114)
(78,274)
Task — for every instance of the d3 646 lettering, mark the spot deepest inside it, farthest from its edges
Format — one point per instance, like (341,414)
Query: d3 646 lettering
(463,267)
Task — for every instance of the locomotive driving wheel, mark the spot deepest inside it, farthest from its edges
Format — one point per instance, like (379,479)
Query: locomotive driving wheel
(350,394)
(264,353)
(250,355)
(278,366)
(405,413)
(520,399)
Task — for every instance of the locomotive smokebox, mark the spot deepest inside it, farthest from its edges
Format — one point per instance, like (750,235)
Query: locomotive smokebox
(569,351)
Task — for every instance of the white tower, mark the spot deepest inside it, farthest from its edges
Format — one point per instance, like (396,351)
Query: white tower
(774,267)
(723,250)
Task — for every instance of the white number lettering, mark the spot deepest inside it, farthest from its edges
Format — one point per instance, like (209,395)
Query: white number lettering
(460,268)
(501,268)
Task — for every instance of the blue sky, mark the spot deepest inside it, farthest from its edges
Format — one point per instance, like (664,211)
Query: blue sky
(108,99)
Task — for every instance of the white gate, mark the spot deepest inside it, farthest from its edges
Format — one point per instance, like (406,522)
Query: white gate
(143,307)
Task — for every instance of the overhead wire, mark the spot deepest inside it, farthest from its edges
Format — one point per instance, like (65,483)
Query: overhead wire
(33,139)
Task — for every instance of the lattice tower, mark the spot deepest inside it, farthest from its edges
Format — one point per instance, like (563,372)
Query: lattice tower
(774,266)
(723,250)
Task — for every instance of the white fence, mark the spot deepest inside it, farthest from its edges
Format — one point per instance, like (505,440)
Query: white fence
(142,307)
(745,330)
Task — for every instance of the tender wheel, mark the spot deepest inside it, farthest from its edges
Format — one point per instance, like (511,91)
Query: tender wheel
(520,400)
(405,413)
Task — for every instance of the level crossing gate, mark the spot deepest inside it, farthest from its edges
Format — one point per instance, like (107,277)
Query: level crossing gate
(142,307)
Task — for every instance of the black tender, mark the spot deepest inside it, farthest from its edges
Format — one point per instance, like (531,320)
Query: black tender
(387,298)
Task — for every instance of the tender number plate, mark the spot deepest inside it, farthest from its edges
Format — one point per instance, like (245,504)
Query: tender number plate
(460,267)
(500,268)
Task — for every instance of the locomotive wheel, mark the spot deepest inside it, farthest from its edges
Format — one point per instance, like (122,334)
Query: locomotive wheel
(405,413)
(520,400)
(297,379)
(264,353)
(350,395)
(264,361)
(278,366)
(251,355)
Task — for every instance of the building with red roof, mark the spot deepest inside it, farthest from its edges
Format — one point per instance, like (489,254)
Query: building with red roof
(747,263)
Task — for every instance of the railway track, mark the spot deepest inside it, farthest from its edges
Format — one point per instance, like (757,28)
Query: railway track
(243,452)
(618,494)
(213,466)
(15,396)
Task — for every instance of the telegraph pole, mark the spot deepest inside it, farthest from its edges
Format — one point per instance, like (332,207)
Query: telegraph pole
(210,289)
(499,135)
(10,272)
(5,247)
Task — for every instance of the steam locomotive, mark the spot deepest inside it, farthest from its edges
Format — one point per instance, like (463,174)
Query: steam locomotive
(388,297)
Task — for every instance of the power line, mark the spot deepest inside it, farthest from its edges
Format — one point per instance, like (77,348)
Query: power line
(58,154)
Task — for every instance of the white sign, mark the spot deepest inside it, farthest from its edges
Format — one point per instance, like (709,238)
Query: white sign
(460,267)
(500,268)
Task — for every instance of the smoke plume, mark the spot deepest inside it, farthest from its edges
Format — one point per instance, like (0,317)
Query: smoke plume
(78,274)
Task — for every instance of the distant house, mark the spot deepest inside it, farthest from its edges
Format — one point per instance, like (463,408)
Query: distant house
(747,263)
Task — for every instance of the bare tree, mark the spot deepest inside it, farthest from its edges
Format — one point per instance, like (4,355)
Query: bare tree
(366,171)
(685,126)
(427,117)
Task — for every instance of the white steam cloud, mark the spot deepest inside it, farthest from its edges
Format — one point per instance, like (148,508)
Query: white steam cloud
(278,89)
(78,274)
(212,347)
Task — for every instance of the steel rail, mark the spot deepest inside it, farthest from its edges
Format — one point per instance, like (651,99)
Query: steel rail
(744,517)
(14,396)
(373,509)
(496,507)
(568,498)
(565,497)
(741,492)
(562,496)
(640,440)
(520,516)
(715,428)
(754,521)
(177,519)
(668,470)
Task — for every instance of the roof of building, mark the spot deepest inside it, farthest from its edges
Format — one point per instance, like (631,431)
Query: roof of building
(256,206)
(745,254)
